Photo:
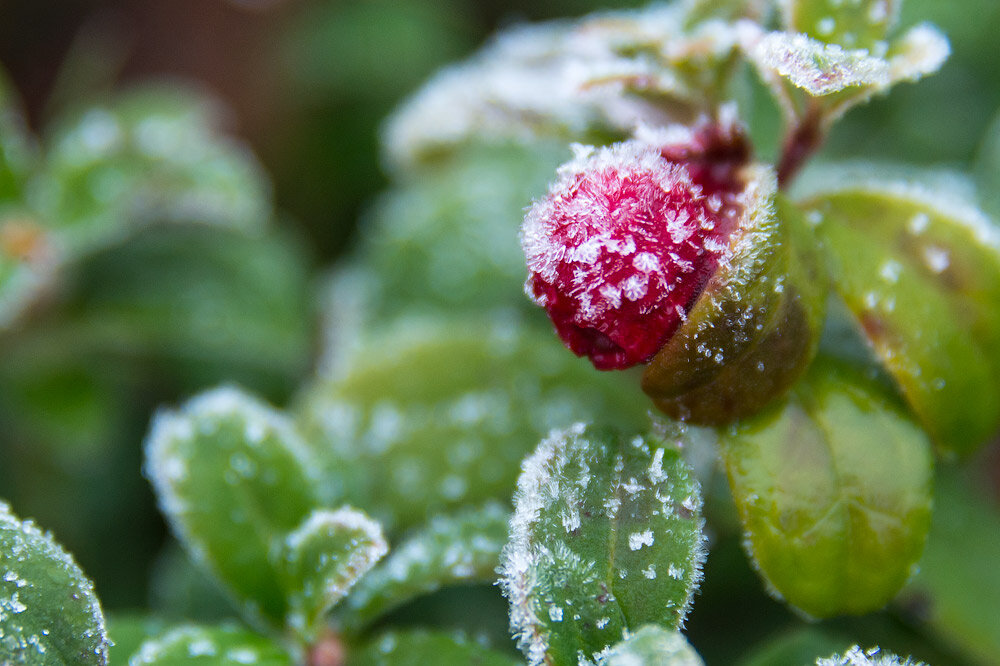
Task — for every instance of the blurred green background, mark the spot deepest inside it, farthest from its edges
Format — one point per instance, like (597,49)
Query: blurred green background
(306,83)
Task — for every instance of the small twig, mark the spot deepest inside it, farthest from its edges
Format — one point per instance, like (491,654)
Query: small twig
(804,139)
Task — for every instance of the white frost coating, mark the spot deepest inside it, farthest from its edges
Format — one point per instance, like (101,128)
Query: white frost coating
(936,258)
(919,52)
(42,544)
(568,76)
(172,432)
(818,68)
(537,488)
(637,540)
(546,252)
(369,547)
(870,657)
(940,194)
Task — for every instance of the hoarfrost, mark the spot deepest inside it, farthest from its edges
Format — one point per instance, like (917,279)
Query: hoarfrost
(637,540)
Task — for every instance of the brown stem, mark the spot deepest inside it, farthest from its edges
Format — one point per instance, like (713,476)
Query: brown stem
(804,139)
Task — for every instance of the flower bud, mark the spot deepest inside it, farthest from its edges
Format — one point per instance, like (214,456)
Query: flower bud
(667,250)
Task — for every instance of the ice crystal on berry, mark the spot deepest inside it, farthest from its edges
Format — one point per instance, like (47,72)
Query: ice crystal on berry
(625,241)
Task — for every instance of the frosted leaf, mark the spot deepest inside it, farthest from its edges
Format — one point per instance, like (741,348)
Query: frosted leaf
(823,70)
(594,570)
(232,477)
(149,156)
(412,426)
(49,613)
(949,256)
(566,78)
(452,549)
(324,558)
(854,24)
(818,68)
(869,657)
(652,645)
(918,52)
(224,645)
(420,647)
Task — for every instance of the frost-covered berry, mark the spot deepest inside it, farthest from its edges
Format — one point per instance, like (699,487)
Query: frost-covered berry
(627,238)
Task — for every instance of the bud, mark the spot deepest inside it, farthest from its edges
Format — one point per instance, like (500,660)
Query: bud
(667,250)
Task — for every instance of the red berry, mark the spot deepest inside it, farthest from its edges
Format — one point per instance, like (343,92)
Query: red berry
(624,243)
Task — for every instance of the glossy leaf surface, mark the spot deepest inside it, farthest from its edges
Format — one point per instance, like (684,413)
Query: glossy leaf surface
(919,267)
(833,487)
(606,537)
(49,613)
(850,24)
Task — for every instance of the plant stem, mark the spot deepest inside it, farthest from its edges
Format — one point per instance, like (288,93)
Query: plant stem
(802,141)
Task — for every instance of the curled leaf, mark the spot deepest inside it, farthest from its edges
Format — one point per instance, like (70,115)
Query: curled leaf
(833,487)
(606,536)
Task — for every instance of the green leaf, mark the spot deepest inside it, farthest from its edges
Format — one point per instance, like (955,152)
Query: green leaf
(956,591)
(856,25)
(49,614)
(226,645)
(151,155)
(798,646)
(809,77)
(233,478)
(449,237)
(833,487)
(870,657)
(417,648)
(919,268)
(452,549)
(755,327)
(323,558)
(17,146)
(435,415)
(606,537)
(128,632)
(987,169)
(202,305)
(653,646)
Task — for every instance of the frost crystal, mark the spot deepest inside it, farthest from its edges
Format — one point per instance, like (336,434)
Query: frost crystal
(870,657)
(818,68)
(625,241)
